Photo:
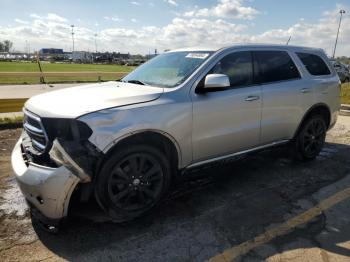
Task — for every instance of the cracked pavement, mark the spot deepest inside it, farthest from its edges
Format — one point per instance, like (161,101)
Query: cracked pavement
(220,209)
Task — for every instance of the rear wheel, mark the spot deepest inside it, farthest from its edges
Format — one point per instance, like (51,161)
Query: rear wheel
(311,138)
(132,181)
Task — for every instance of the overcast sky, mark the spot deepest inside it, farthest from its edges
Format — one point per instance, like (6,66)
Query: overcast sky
(140,26)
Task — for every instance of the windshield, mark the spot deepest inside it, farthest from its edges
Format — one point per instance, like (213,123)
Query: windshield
(167,70)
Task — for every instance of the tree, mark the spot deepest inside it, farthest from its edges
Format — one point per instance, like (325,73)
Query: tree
(7,45)
(2,47)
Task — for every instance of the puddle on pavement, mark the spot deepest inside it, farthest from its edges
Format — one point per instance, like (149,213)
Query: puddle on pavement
(12,201)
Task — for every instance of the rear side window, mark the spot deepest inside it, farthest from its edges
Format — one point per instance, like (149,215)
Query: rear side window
(273,66)
(314,64)
(238,67)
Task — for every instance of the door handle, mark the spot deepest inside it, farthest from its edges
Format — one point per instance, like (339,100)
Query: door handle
(252,98)
(305,90)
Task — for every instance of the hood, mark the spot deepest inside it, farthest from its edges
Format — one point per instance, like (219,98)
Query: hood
(76,101)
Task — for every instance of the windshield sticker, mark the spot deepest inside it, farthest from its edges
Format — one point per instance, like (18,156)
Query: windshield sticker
(197,55)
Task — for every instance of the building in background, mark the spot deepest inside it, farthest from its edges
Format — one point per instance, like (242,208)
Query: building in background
(81,57)
(51,54)
(50,51)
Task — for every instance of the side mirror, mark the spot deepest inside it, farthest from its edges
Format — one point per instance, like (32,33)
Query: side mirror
(216,81)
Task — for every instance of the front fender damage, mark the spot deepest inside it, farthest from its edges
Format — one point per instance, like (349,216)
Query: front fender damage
(77,156)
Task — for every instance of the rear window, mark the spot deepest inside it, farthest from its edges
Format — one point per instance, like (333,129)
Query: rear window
(274,66)
(314,64)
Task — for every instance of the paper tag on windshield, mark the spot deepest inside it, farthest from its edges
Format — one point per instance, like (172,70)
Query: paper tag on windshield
(197,55)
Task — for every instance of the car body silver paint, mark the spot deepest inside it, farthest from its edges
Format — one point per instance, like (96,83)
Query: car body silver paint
(203,127)
(76,101)
(171,116)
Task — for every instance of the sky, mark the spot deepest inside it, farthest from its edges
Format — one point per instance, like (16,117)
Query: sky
(140,26)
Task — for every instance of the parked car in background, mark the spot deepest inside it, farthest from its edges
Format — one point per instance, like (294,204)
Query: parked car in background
(125,142)
(342,71)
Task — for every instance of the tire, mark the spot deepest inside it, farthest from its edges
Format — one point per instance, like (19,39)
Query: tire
(132,181)
(311,138)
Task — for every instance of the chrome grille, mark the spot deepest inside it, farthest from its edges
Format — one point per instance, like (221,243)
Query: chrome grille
(35,130)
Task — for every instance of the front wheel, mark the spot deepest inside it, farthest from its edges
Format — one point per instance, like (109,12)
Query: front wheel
(132,181)
(311,138)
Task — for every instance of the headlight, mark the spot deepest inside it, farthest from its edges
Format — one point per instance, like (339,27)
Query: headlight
(66,129)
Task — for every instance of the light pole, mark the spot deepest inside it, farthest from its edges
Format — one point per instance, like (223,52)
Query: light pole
(72,26)
(95,43)
(336,40)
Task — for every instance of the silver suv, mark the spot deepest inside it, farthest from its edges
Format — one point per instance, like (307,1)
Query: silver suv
(125,142)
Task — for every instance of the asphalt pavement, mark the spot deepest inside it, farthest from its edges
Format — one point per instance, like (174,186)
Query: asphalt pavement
(266,207)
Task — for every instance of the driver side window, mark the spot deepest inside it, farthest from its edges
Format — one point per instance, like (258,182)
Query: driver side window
(238,67)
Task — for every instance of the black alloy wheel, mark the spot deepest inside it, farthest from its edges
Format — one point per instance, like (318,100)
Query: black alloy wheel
(132,181)
(135,182)
(312,137)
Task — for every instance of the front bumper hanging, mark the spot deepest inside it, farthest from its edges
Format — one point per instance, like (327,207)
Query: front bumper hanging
(47,189)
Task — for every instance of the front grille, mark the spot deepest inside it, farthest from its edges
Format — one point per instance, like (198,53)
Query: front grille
(33,126)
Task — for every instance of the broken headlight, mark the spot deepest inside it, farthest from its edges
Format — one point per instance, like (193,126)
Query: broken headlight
(66,129)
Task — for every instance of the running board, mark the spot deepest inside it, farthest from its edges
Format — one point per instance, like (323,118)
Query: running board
(234,155)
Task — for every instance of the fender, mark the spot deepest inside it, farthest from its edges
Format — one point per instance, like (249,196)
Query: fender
(323,105)
(167,135)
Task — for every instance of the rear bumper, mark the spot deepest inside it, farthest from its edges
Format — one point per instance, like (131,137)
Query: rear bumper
(46,189)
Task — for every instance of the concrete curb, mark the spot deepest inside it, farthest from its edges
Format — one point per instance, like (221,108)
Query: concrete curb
(345,110)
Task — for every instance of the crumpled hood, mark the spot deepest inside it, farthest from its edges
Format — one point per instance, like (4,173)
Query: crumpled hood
(76,101)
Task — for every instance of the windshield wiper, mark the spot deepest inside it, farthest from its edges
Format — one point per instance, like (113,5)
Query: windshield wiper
(138,82)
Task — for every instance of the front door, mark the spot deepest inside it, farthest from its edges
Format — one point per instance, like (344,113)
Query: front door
(227,121)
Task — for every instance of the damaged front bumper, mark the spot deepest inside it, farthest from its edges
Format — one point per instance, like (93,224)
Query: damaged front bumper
(47,189)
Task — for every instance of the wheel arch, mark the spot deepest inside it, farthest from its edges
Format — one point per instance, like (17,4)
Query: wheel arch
(320,108)
(159,139)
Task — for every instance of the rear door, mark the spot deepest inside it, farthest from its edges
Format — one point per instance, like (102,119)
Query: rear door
(282,87)
(322,79)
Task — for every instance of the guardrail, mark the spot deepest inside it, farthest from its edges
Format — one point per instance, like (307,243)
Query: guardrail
(12,105)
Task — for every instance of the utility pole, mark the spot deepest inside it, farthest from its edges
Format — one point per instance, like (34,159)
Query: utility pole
(341,12)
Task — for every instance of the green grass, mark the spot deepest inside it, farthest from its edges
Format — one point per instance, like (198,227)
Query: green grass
(57,67)
(345,94)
